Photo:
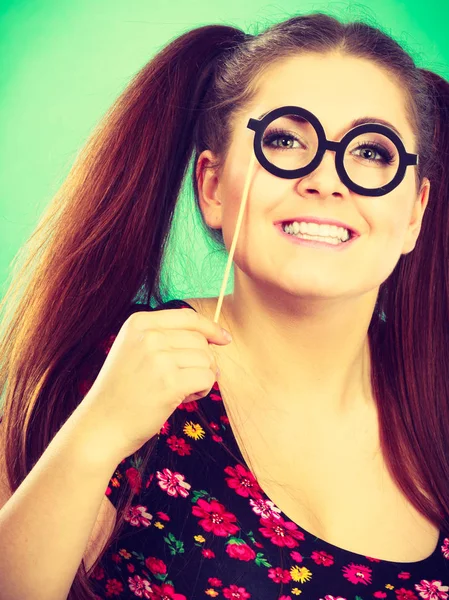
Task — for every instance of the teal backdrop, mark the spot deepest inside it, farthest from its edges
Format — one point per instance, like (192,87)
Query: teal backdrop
(62,64)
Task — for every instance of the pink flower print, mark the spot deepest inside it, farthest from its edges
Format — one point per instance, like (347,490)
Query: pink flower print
(236,593)
(265,508)
(240,552)
(279,575)
(113,588)
(155,565)
(296,556)
(445,547)
(214,394)
(189,406)
(217,438)
(215,582)
(162,516)
(173,483)
(165,428)
(138,515)
(322,558)
(98,573)
(432,590)
(243,482)
(404,575)
(179,445)
(134,478)
(215,518)
(140,587)
(357,573)
(165,592)
(403,594)
(208,553)
(328,597)
(150,479)
(281,532)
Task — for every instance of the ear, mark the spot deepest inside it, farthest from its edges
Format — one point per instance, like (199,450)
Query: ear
(416,217)
(208,180)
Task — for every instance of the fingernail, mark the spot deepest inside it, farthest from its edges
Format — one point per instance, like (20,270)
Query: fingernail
(227,335)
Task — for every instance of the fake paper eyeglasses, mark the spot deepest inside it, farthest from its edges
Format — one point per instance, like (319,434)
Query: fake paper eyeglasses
(290,142)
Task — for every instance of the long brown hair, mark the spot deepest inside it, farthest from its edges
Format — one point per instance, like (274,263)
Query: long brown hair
(99,247)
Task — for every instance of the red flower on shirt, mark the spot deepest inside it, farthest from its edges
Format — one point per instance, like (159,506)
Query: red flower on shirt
(189,406)
(281,532)
(135,479)
(240,551)
(243,482)
(215,517)
(113,588)
(279,575)
(234,592)
(155,565)
(179,445)
(165,592)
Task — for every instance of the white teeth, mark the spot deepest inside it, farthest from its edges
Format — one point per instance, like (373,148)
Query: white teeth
(313,229)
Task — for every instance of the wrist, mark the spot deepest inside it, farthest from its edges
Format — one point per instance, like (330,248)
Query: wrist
(94,438)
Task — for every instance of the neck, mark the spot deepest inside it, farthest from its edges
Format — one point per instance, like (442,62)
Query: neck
(311,354)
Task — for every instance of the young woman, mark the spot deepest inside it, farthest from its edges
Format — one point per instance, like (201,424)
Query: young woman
(317,465)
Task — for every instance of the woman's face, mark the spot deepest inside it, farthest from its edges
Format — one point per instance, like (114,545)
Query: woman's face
(337,89)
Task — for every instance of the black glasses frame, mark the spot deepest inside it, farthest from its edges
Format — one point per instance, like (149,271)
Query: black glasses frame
(405,158)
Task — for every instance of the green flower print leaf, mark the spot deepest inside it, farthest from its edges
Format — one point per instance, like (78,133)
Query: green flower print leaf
(176,546)
(261,561)
(201,494)
(250,535)
(140,557)
(198,494)
(235,540)
(136,461)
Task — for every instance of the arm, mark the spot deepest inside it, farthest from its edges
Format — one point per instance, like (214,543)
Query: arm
(45,526)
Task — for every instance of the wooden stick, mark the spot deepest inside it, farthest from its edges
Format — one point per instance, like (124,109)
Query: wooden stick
(236,233)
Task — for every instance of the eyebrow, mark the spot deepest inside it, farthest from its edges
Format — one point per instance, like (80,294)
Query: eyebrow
(352,124)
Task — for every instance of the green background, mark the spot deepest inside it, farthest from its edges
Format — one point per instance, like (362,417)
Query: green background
(62,64)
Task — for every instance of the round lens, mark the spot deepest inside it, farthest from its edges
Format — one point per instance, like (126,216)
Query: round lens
(290,142)
(371,160)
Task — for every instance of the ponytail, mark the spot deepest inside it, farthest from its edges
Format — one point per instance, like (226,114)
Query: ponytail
(100,242)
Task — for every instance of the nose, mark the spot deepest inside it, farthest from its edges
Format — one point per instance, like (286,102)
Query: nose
(324,180)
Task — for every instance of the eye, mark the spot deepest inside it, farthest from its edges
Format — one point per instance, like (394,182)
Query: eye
(287,139)
(386,156)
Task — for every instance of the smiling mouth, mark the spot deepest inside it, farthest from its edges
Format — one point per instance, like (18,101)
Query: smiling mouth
(317,241)
(344,237)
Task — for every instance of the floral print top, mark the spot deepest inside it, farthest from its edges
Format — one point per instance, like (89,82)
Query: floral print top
(201,527)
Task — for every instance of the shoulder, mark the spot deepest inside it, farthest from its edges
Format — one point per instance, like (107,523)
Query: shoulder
(199,304)
(204,306)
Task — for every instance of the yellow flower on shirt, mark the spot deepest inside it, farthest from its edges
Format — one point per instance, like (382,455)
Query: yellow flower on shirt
(194,430)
